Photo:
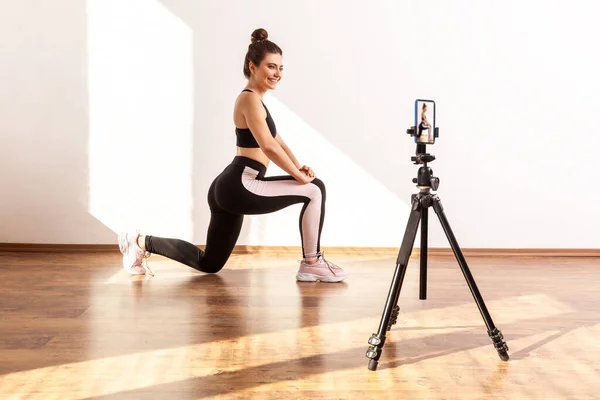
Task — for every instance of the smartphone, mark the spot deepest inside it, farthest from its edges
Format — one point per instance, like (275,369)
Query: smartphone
(425,126)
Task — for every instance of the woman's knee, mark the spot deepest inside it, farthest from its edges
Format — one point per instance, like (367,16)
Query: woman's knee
(211,263)
(321,185)
(212,268)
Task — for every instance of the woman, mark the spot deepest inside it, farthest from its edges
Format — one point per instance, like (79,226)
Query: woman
(425,125)
(242,188)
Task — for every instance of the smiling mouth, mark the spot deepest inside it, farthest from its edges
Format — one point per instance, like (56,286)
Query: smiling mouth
(273,80)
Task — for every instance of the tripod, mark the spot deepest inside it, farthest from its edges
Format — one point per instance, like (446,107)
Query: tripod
(420,202)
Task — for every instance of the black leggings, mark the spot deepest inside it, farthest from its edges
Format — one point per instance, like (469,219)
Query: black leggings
(242,189)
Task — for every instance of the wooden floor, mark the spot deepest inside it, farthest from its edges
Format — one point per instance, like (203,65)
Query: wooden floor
(76,326)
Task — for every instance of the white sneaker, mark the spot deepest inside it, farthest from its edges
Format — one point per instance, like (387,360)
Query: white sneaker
(133,255)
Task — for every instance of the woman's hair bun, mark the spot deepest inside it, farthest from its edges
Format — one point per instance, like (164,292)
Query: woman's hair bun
(259,34)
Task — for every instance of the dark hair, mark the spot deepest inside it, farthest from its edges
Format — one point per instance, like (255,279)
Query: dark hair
(258,48)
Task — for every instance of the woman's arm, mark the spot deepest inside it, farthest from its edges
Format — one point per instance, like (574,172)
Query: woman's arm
(287,150)
(254,114)
(303,168)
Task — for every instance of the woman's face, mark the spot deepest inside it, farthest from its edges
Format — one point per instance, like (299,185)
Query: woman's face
(269,72)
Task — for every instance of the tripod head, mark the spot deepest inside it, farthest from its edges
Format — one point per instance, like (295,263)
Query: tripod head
(425,179)
(422,157)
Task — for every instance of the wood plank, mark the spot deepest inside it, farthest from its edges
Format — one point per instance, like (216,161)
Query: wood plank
(290,250)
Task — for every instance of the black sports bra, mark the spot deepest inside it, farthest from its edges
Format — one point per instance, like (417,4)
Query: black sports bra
(245,138)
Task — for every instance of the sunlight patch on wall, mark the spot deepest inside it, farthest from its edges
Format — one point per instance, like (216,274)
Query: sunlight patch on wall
(141,117)
(380,218)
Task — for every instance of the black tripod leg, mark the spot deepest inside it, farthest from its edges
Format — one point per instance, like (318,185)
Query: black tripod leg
(493,332)
(378,340)
(423,278)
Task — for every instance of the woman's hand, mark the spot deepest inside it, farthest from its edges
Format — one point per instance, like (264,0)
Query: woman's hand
(308,171)
(304,178)
(306,175)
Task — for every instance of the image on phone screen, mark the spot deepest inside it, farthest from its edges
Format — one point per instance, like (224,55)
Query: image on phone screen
(424,121)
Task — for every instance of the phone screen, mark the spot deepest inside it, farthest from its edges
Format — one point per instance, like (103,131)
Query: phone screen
(425,121)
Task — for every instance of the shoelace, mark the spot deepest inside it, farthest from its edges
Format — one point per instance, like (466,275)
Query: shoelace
(145,256)
(329,264)
(145,259)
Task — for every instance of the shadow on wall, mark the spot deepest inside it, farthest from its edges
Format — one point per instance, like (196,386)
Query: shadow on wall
(118,115)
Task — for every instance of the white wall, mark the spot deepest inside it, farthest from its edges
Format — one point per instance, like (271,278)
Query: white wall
(116,114)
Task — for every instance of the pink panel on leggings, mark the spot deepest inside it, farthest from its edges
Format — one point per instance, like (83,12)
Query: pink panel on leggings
(312,214)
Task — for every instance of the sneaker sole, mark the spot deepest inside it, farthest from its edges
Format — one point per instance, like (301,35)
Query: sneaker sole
(123,242)
(304,277)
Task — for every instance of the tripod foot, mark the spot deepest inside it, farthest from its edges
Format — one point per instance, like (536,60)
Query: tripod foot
(499,343)
(374,351)
(373,365)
